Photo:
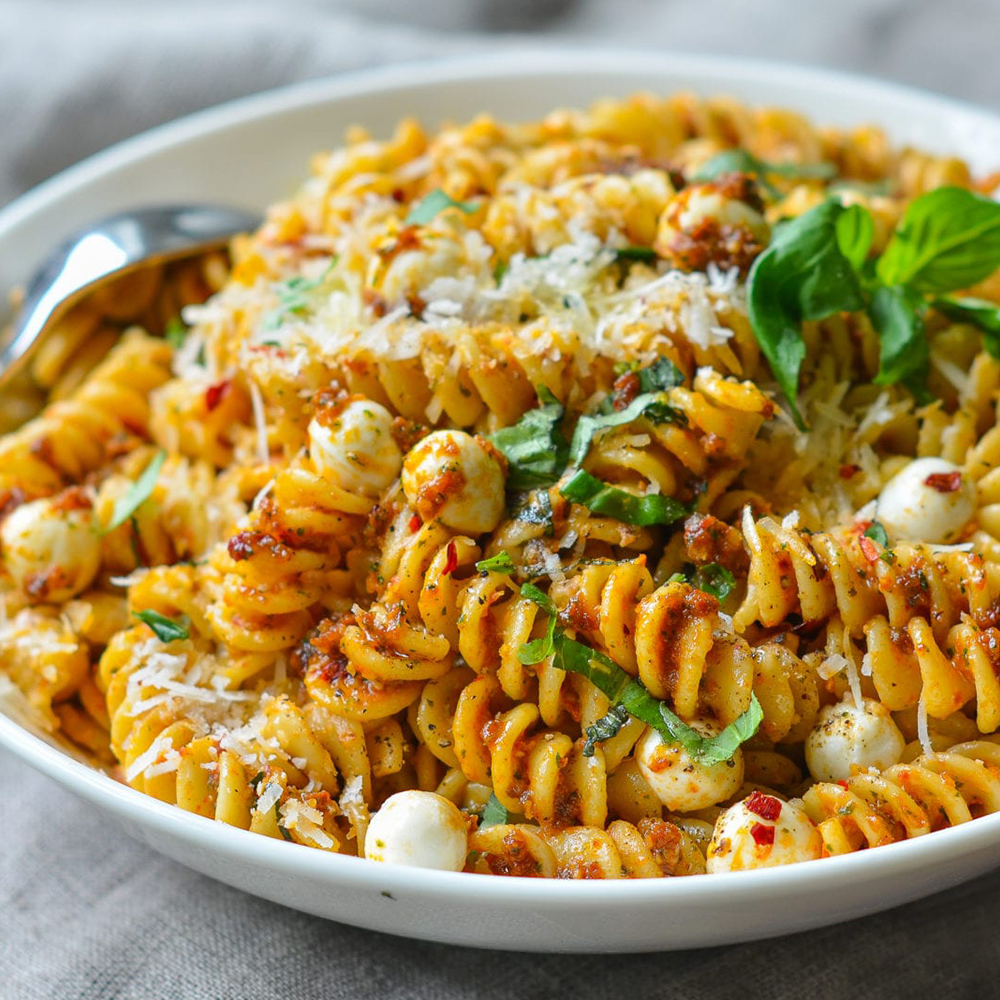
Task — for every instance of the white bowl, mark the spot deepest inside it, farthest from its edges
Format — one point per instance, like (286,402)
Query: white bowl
(252,152)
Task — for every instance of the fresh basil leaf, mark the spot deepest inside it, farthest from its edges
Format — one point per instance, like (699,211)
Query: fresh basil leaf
(176,332)
(649,404)
(710,750)
(431,205)
(500,563)
(949,239)
(877,533)
(495,813)
(601,498)
(873,189)
(904,355)
(533,507)
(855,231)
(542,648)
(165,629)
(742,161)
(500,268)
(647,254)
(535,447)
(802,275)
(976,312)
(715,580)
(605,728)
(661,375)
(140,491)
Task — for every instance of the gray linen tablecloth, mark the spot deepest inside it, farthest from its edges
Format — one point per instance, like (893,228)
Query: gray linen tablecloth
(87,913)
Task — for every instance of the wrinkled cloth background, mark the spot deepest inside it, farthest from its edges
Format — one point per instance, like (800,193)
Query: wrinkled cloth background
(87,913)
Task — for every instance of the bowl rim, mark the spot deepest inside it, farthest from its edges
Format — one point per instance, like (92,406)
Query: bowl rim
(732,888)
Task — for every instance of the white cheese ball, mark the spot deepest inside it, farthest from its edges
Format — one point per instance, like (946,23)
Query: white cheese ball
(450,476)
(913,509)
(846,734)
(51,547)
(422,829)
(761,832)
(353,447)
(679,781)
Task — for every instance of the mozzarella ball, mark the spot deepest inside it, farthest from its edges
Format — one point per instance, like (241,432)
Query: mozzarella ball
(928,501)
(761,832)
(352,446)
(704,224)
(51,547)
(679,781)
(451,476)
(846,734)
(422,829)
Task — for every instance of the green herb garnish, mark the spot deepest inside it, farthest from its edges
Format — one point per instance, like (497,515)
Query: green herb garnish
(495,814)
(623,690)
(294,297)
(500,563)
(176,332)
(742,161)
(715,580)
(535,447)
(431,205)
(139,492)
(976,312)
(605,728)
(877,533)
(166,629)
(647,254)
(602,498)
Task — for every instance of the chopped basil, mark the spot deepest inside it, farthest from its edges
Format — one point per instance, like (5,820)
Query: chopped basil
(495,814)
(605,728)
(294,297)
(976,312)
(176,332)
(802,275)
(949,239)
(677,578)
(623,690)
(601,498)
(742,161)
(500,563)
(636,253)
(651,405)
(542,648)
(533,507)
(715,580)
(535,447)
(140,491)
(500,268)
(431,205)
(877,533)
(661,375)
(166,629)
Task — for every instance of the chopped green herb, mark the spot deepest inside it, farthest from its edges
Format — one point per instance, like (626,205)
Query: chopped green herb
(661,375)
(601,498)
(533,507)
(431,205)
(294,297)
(742,161)
(877,533)
(605,728)
(542,648)
(677,578)
(651,405)
(176,332)
(165,629)
(636,253)
(494,814)
(500,563)
(715,580)
(140,491)
(630,694)
(535,447)
(500,268)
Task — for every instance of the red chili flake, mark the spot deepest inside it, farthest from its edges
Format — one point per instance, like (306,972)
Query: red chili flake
(214,394)
(762,835)
(452,563)
(848,471)
(869,548)
(415,522)
(765,806)
(944,482)
(843,784)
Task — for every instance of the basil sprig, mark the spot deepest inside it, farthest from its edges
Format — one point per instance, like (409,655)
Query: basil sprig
(630,694)
(139,492)
(432,205)
(742,161)
(817,266)
(165,629)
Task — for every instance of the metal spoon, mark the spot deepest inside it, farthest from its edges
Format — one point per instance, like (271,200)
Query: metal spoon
(107,249)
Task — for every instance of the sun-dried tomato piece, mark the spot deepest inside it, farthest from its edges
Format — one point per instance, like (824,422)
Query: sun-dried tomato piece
(944,482)
(762,835)
(869,548)
(765,806)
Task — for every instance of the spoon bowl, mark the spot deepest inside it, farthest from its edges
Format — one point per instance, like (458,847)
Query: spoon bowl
(108,249)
